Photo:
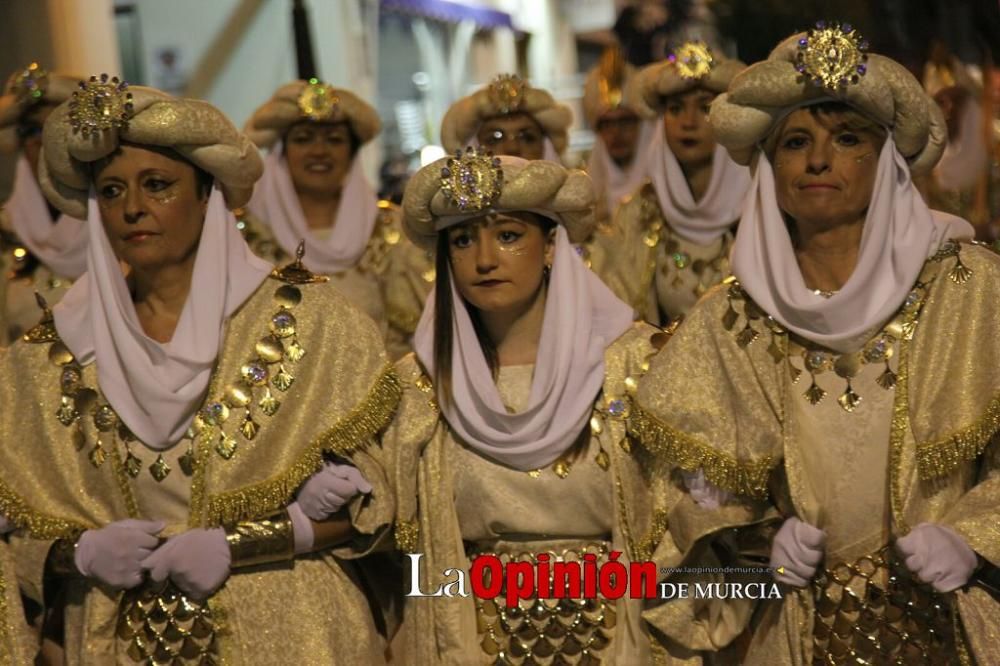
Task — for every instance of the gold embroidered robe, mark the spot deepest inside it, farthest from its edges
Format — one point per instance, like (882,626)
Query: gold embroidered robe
(390,283)
(652,268)
(333,401)
(428,467)
(717,399)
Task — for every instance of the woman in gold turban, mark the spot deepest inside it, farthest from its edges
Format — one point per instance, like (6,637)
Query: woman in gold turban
(314,191)
(510,437)
(41,250)
(158,424)
(508,117)
(675,233)
(839,397)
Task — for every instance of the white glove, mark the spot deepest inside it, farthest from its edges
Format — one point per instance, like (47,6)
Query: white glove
(326,491)
(114,553)
(937,555)
(796,552)
(197,561)
(702,492)
(5,525)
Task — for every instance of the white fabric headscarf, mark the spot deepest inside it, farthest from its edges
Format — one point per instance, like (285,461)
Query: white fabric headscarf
(900,233)
(964,159)
(61,246)
(156,388)
(582,317)
(700,222)
(276,202)
(616,182)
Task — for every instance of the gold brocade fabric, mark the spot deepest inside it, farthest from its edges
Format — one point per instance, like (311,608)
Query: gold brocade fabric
(717,398)
(653,269)
(335,398)
(429,470)
(390,282)
(16,646)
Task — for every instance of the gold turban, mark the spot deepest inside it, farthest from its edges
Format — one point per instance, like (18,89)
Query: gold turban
(507,94)
(456,188)
(608,87)
(692,65)
(314,100)
(105,113)
(25,88)
(829,63)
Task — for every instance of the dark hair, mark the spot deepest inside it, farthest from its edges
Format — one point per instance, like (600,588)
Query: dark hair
(444,313)
(203,179)
(352,136)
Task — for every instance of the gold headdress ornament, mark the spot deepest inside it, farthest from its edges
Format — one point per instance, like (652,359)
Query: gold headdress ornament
(30,83)
(829,63)
(693,60)
(611,74)
(506,92)
(99,105)
(472,181)
(832,56)
(318,101)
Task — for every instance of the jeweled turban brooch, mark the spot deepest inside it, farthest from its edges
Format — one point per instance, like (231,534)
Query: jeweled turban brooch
(318,101)
(506,92)
(832,55)
(99,105)
(472,181)
(693,60)
(30,83)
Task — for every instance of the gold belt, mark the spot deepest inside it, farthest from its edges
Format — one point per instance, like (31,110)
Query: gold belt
(904,622)
(160,626)
(546,631)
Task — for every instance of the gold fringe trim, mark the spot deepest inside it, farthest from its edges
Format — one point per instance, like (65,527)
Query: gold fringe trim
(349,435)
(646,546)
(38,525)
(937,459)
(686,452)
(407,534)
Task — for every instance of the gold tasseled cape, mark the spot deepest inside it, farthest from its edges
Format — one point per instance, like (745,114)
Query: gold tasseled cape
(710,403)
(390,283)
(343,393)
(443,631)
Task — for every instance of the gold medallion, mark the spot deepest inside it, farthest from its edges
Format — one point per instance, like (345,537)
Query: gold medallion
(318,101)
(99,105)
(472,181)
(693,60)
(30,83)
(506,92)
(832,56)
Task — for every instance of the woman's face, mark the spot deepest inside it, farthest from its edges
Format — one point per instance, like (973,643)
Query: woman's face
(152,207)
(497,261)
(685,124)
(619,130)
(824,171)
(319,156)
(516,134)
